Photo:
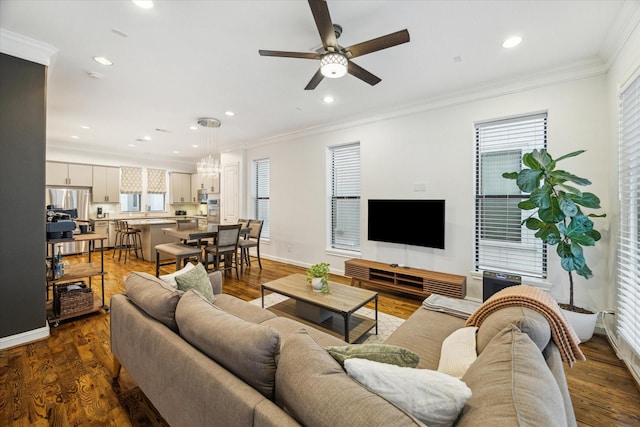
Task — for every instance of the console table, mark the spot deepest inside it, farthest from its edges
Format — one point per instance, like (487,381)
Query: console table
(414,281)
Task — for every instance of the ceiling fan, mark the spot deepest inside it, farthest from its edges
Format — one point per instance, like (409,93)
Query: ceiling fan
(335,60)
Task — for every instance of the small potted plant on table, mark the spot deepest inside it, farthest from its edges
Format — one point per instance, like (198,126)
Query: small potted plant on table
(318,276)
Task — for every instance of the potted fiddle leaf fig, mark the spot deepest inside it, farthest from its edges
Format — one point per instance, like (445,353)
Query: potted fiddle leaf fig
(318,276)
(557,217)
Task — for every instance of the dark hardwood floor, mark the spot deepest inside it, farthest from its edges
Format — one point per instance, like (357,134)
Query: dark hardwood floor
(66,379)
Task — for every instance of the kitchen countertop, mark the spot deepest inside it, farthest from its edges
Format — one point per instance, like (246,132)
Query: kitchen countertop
(151,221)
(141,218)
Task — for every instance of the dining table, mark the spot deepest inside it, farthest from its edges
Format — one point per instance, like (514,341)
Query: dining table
(197,233)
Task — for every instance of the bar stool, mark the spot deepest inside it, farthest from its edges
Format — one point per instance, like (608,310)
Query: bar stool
(117,244)
(130,239)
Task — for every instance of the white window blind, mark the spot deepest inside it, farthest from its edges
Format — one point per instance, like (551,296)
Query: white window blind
(345,197)
(502,243)
(628,248)
(262,174)
(156,181)
(130,180)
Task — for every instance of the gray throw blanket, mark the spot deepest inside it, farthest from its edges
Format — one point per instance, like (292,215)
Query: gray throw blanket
(456,307)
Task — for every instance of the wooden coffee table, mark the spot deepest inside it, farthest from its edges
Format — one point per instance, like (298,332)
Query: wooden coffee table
(333,312)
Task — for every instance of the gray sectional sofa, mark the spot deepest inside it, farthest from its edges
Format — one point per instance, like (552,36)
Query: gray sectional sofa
(232,363)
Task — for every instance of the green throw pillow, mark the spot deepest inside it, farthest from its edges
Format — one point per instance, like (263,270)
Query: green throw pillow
(382,353)
(198,279)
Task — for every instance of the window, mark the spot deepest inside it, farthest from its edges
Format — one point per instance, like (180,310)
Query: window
(345,197)
(502,243)
(261,191)
(156,189)
(628,247)
(130,189)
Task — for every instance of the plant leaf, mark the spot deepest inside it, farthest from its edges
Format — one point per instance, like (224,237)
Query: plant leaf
(529,179)
(566,205)
(527,205)
(583,239)
(541,197)
(533,223)
(529,161)
(579,225)
(594,234)
(570,177)
(566,156)
(552,214)
(542,157)
(588,200)
(585,272)
(571,189)
(564,250)
(510,175)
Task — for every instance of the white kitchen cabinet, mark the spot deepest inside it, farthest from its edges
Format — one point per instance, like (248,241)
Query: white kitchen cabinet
(69,174)
(181,188)
(212,185)
(106,184)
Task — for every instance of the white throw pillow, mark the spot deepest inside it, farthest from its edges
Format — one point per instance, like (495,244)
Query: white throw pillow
(432,397)
(458,351)
(170,279)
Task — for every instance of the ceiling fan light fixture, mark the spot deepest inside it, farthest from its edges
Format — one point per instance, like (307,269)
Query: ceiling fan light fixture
(333,65)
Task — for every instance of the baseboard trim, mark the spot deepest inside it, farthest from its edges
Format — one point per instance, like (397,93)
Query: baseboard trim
(24,337)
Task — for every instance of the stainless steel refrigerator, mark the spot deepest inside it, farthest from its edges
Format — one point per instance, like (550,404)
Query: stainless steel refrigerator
(71,198)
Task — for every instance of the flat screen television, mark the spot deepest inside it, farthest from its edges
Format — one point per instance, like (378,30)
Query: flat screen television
(410,222)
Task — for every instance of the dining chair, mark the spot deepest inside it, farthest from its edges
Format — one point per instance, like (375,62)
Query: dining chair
(252,240)
(225,248)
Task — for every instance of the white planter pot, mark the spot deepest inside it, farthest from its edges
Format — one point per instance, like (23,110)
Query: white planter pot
(582,324)
(316,284)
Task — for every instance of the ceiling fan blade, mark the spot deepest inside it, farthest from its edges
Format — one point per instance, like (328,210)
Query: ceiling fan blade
(377,44)
(320,12)
(359,72)
(315,80)
(305,55)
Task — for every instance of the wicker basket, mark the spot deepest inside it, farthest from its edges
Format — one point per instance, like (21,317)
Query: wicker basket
(68,301)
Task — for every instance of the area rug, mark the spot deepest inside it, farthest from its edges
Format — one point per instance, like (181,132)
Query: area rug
(386,322)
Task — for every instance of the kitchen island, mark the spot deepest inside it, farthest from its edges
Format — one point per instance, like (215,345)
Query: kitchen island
(153,235)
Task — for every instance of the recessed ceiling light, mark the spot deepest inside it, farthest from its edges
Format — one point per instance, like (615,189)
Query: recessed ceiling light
(146,138)
(143,4)
(194,127)
(512,42)
(328,99)
(176,152)
(95,75)
(75,137)
(132,145)
(230,113)
(102,60)
(84,127)
(195,145)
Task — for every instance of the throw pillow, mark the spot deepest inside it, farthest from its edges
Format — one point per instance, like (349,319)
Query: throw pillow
(434,398)
(154,297)
(383,353)
(170,279)
(198,279)
(458,352)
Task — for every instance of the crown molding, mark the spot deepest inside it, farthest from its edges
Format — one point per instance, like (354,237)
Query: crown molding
(625,24)
(25,48)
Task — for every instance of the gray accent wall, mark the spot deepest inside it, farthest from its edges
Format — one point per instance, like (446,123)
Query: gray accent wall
(22,195)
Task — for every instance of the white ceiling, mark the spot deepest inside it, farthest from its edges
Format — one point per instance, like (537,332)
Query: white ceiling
(186,59)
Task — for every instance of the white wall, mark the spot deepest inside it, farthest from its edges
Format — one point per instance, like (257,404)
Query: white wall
(435,147)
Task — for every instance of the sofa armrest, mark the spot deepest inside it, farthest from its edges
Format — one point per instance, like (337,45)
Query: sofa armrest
(216,282)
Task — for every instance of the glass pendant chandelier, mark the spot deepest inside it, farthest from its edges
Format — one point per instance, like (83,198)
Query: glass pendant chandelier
(209,165)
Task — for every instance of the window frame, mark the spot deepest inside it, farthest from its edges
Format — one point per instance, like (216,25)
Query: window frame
(350,246)
(528,256)
(259,166)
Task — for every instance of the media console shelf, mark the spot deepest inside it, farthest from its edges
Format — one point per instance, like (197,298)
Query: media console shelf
(414,281)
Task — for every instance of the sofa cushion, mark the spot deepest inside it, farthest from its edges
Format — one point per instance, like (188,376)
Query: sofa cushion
(390,354)
(289,327)
(248,350)
(512,385)
(198,279)
(432,397)
(316,391)
(170,279)
(458,351)
(154,297)
(526,320)
(242,309)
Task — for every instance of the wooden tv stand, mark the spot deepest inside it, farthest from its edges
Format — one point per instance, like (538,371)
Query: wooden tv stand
(414,281)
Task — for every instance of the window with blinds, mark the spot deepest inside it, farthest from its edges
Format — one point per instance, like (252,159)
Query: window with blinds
(502,243)
(130,189)
(156,189)
(345,197)
(261,190)
(628,247)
